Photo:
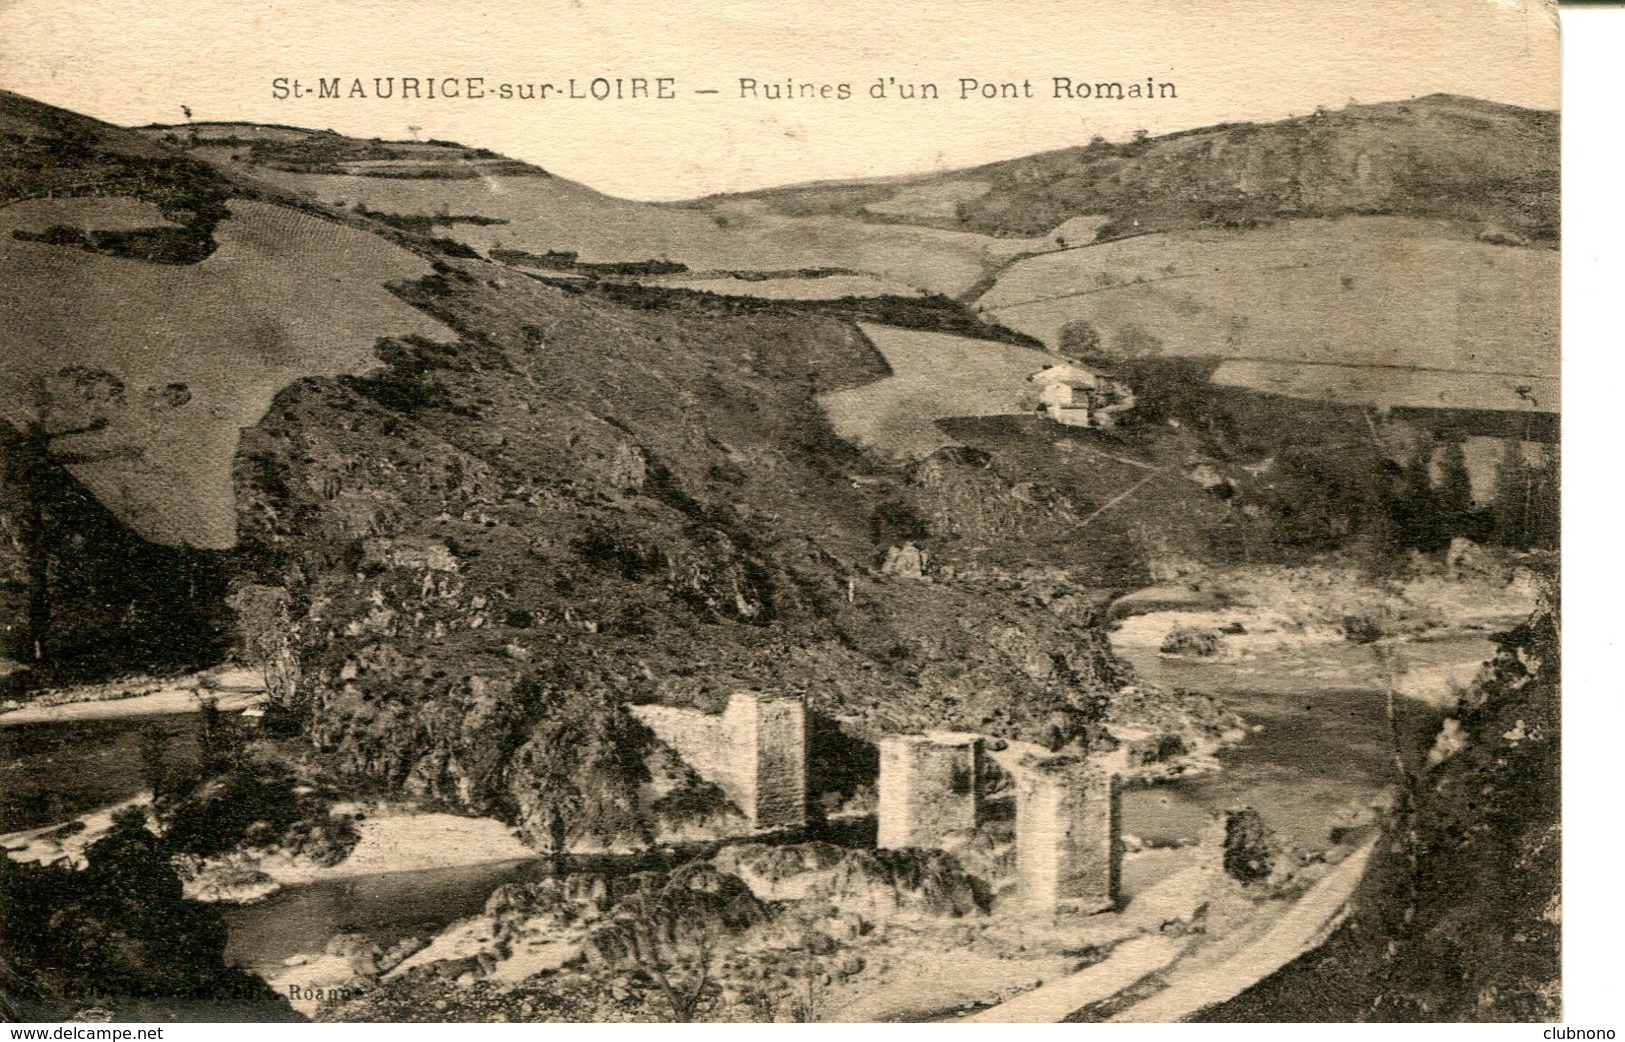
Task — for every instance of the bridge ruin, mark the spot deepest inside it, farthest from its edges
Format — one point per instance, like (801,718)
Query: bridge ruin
(1068,822)
(755,751)
(930,786)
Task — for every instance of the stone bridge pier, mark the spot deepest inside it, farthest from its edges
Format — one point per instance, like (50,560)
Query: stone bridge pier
(765,738)
(1068,822)
(755,751)
(930,786)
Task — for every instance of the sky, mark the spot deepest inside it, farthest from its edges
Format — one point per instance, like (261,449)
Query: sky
(135,61)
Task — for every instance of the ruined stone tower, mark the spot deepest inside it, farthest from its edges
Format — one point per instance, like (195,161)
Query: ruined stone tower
(930,786)
(1068,816)
(765,755)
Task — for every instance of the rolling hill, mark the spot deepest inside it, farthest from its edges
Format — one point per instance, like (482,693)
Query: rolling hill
(490,203)
(1439,156)
(423,427)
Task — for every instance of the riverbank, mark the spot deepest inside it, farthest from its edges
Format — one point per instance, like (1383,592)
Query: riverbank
(67,841)
(1425,634)
(391,840)
(232,690)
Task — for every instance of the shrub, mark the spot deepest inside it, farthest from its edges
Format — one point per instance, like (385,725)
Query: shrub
(1189,640)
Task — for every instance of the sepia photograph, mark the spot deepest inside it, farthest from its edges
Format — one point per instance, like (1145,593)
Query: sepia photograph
(734,512)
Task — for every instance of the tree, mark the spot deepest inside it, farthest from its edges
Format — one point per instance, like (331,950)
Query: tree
(1522,513)
(267,630)
(683,971)
(1079,339)
(1543,501)
(673,935)
(1415,513)
(1133,342)
(155,771)
(220,745)
(1454,497)
(71,403)
(120,929)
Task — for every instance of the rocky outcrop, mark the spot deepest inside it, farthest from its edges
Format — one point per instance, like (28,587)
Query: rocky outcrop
(686,915)
(874,884)
(906,561)
(488,549)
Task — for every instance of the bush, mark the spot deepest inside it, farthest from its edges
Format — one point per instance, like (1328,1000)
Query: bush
(691,803)
(1189,640)
(120,930)
(257,803)
(1363,629)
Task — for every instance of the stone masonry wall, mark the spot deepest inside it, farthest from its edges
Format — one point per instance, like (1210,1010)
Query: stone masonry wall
(756,752)
(1068,819)
(930,786)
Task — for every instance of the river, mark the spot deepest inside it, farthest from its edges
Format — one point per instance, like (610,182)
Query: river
(1320,739)
(1320,742)
(56,771)
(386,907)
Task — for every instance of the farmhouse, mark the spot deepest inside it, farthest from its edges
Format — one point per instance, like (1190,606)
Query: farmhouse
(1077,397)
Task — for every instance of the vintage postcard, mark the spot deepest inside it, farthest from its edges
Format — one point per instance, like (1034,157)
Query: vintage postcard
(779,512)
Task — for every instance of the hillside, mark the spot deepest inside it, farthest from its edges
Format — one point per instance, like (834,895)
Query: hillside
(1420,158)
(491,537)
(165,307)
(490,203)
(532,505)
(465,478)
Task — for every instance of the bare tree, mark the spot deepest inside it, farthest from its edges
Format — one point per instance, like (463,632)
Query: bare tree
(676,937)
(683,971)
(266,628)
(154,754)
(1390,668)
(807,1004)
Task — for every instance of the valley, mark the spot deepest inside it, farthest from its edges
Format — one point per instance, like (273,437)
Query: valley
(1199,488)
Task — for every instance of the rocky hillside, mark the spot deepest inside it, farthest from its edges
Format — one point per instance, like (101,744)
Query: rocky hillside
(1481,818)
(489,545)
(1427,157)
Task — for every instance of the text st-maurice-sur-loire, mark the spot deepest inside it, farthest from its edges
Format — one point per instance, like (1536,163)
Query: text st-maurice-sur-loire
(745,88)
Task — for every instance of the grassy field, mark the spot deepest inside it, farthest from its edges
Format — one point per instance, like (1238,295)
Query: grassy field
(285,295)
(546,213)
(1394,386)
(97,213)
(934,376)
(1357,291)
